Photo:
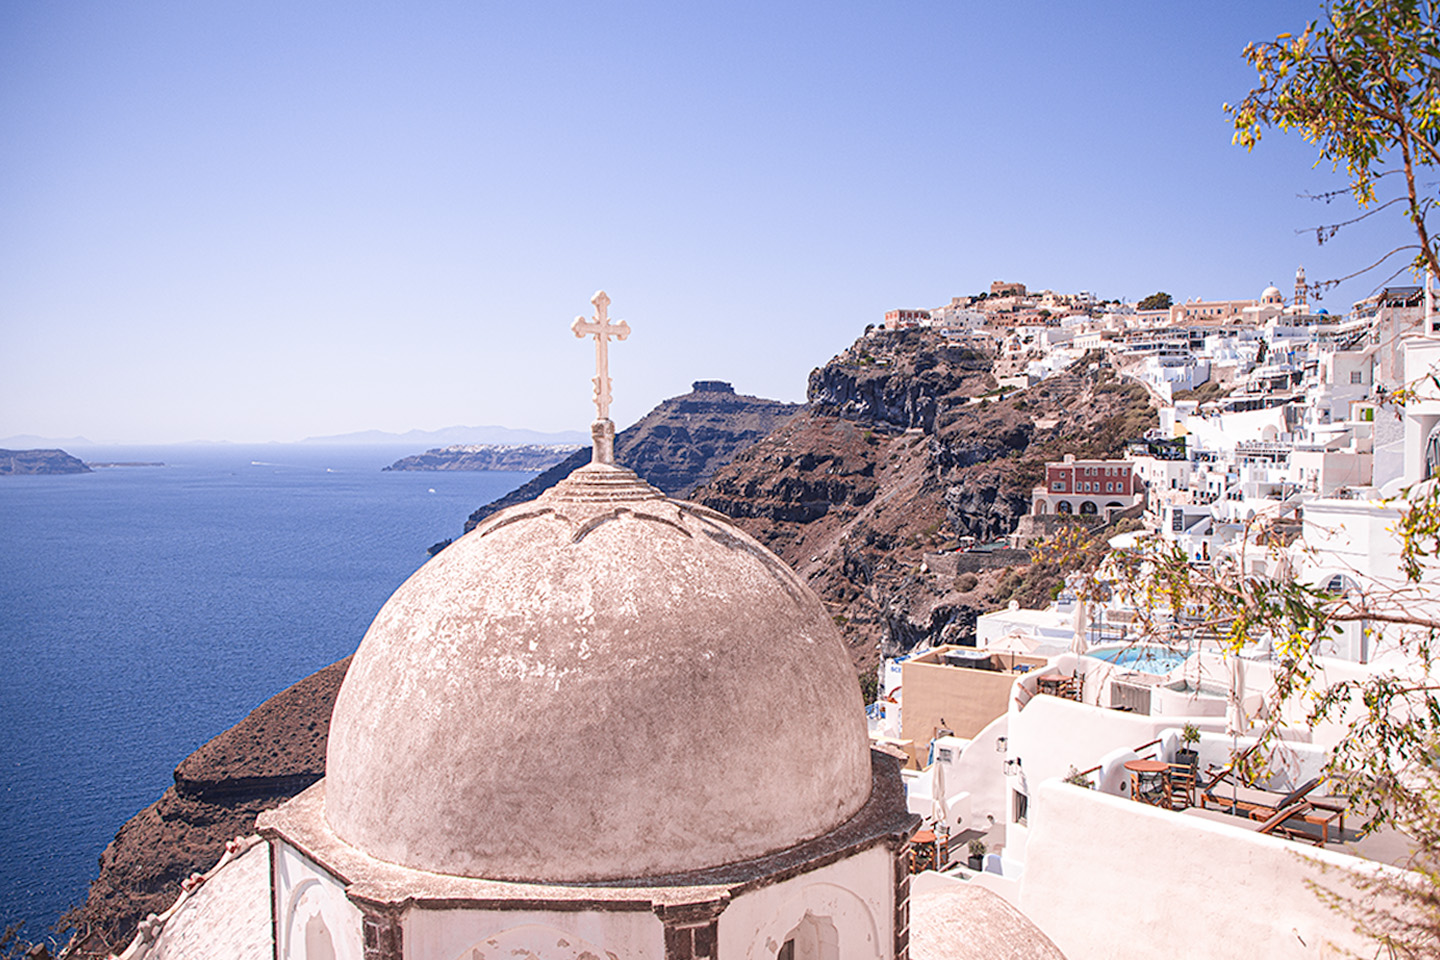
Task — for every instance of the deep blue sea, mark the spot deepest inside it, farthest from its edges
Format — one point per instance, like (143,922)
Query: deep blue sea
(145,609)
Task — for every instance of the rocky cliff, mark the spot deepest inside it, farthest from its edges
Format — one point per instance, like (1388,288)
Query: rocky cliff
(488,456)
(271,755)
(906,447)
(676,446)
(40,461)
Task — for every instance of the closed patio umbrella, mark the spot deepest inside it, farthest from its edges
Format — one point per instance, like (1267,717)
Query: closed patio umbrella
(939,810)
(1235,724)
(1080,643)
(1235,716)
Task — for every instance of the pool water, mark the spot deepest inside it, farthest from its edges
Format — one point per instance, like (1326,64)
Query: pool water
(1145,659)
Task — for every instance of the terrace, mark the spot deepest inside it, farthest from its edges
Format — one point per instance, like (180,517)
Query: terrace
(1294,802)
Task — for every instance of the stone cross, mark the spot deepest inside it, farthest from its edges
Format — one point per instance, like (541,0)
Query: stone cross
(602,330)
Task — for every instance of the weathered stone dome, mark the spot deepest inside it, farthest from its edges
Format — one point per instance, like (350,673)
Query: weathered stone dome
(600,684)
(965,921)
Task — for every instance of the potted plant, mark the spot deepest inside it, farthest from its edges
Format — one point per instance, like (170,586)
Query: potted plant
(1187,755)
(1078,779)
(977,854)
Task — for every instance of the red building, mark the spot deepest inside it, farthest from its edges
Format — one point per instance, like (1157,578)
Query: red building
(1087,487)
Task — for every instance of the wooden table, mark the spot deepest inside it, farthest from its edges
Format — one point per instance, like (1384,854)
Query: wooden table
(1147,781)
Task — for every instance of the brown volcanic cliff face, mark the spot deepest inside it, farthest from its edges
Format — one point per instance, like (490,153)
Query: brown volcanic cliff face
(900,454)
(271,755)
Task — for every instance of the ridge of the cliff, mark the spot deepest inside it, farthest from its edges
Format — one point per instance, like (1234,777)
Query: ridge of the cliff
(676,446)
(906,447)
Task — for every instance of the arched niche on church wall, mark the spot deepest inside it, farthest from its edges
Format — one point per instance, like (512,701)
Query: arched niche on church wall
(319,945)
(591,934)
(316,920)
(840,912)
(813,938)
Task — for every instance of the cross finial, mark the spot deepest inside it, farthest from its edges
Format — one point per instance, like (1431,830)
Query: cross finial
(600,327)
(602,330)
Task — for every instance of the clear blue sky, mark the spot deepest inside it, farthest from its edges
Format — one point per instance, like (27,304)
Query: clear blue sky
(254,221)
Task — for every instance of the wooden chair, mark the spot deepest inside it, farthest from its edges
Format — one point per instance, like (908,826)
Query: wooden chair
(1182,786)
(1068,688)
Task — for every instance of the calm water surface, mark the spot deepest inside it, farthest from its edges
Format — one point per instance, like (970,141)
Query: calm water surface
(144,610)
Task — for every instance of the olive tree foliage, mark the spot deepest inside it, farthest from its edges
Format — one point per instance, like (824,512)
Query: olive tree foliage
(1363,86)
(1401,916)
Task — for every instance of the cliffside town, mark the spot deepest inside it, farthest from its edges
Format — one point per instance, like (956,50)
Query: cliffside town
(488,456)
(930,453)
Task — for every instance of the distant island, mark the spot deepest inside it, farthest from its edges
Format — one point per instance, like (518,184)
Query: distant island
(32,462)
(449,436)
(489,456)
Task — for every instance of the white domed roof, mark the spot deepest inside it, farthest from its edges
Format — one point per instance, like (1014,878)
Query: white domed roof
(1271,294)
(601,684)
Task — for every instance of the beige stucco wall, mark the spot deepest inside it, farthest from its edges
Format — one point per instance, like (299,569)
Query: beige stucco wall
(1113,879)
(966,700)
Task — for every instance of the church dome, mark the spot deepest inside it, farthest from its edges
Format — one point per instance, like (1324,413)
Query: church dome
(1271,294)
(601,684)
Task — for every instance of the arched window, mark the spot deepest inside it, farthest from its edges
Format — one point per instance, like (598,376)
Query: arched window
(1341,584)
(1087,508)
(1063,507)
(1432,453)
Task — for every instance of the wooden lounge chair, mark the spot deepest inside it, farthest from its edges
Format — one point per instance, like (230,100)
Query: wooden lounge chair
(1259,804)
(1275,824)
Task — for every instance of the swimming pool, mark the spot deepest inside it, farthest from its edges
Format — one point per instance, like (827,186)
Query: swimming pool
(1144,658)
